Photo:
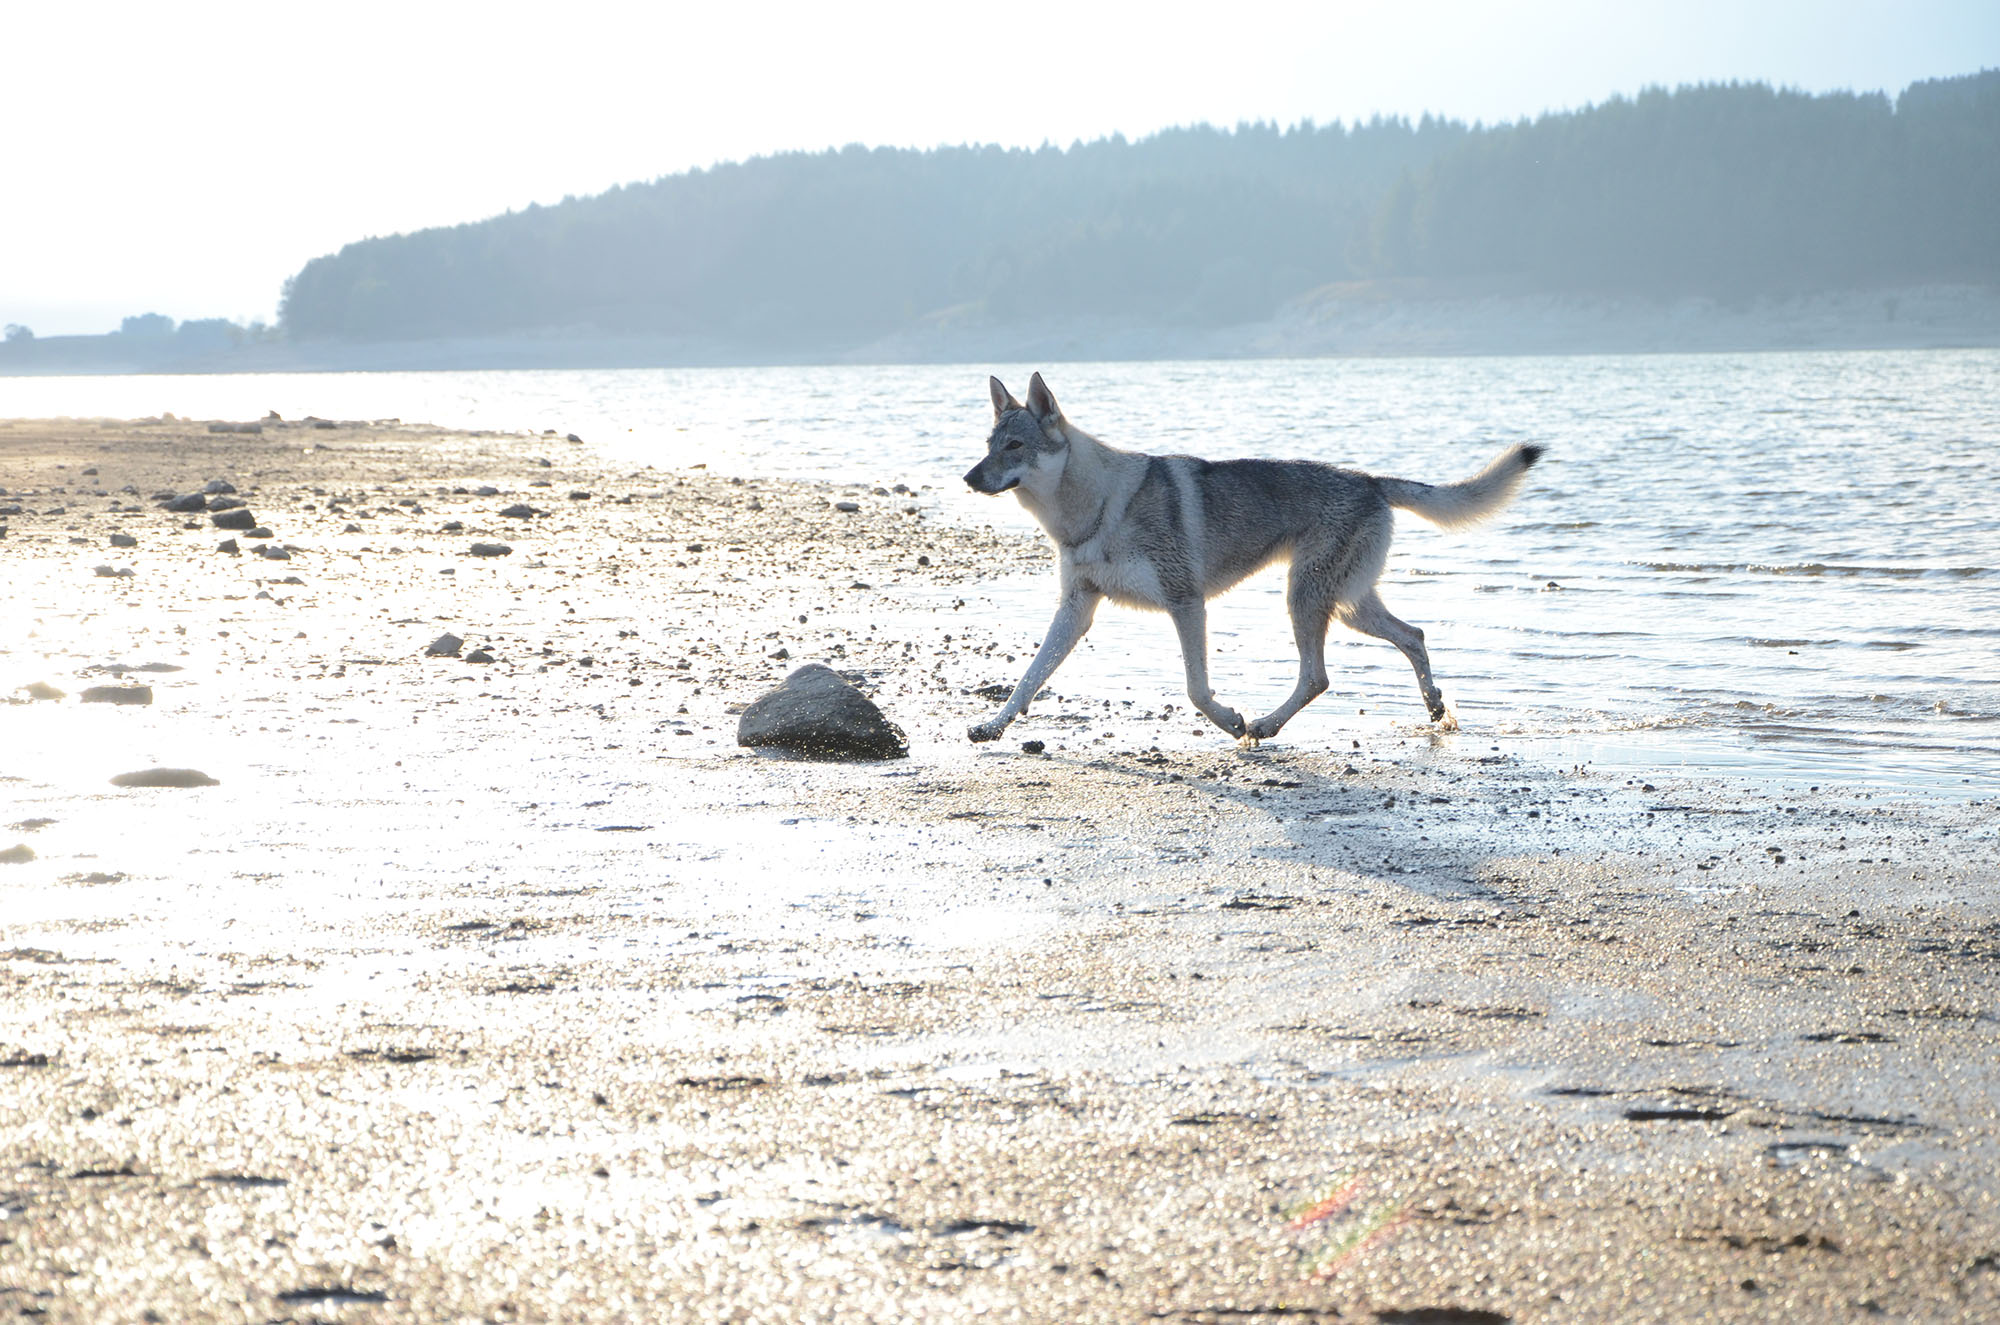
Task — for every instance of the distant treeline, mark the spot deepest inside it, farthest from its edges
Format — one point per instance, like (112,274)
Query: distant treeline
(1723,190)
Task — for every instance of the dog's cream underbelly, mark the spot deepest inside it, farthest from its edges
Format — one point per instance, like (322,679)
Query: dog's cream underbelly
(1128,581)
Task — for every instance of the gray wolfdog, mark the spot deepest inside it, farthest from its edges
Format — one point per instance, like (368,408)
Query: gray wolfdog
(1171,532)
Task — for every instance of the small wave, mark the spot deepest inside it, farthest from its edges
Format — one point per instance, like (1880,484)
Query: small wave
(1787,643)
(1813,568)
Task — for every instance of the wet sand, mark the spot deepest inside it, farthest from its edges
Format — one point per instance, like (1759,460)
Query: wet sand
(514,991)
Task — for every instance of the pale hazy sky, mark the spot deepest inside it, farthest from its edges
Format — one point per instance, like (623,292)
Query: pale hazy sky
(185,157)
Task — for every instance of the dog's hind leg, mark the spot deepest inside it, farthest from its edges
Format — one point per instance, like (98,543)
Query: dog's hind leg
(1191,621)
(1311,609)
(1073,618)
(1370,617)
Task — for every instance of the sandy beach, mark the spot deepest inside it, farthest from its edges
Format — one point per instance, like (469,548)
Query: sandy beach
(514,990)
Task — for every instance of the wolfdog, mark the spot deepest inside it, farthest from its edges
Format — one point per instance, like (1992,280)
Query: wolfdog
(1170,532)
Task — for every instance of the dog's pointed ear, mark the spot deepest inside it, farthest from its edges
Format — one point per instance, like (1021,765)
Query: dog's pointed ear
(1003,399)
(1042,401)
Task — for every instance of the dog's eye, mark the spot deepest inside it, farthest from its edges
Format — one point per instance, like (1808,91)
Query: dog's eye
(1014,445)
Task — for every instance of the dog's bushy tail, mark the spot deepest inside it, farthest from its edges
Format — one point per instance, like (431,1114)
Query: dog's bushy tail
(1453,505)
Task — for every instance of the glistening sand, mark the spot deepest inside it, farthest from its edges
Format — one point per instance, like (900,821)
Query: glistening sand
(484,992)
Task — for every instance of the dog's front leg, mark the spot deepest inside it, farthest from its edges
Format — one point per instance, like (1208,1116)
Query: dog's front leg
(1191,621)
(1073,618)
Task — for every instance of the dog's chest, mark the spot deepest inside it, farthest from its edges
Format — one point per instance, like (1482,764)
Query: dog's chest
(1127,578)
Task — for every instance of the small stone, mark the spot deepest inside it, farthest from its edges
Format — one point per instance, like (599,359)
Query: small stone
(1032,747)
(236,518)
(487,490)
(225,503)
(272,553)
(42,690)
(520,511)
(452,527)
(194,501)
(848,506)
(780,653)
(18,854)
(118,695)
(446,645)
(352,529)
(490,550)
(227,545)
(218,485)
(259,532)
(571,437)
(579,496)
(124,540)
(479,656)
(113,572)
(165,777)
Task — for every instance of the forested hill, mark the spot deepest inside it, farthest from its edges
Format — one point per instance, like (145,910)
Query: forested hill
(1724,190)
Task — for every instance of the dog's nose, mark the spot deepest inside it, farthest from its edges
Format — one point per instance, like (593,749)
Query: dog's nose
(972,477)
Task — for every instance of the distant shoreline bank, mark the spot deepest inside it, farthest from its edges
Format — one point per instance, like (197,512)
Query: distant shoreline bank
(1352,319)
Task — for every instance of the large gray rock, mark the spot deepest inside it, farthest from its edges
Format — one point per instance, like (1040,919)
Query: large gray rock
(816,714)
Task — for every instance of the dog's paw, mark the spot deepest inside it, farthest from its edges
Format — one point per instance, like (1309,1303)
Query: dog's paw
(986,731)
(1447,721)
(1261,730)
(1249,740)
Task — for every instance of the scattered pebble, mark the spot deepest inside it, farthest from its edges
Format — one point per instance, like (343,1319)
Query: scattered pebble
(118,695)
(446,645)
(236,518)
(479,656)
(124,540)
(490,550)
(227,545)
(165,777)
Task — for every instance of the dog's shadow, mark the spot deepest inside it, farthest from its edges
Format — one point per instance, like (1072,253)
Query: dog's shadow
(1433,834)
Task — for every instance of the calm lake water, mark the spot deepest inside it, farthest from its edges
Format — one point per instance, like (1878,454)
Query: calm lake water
(1782,565)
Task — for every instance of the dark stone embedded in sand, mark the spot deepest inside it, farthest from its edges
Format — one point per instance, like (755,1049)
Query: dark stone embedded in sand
(521,511)
(479,656)
(19,854)
(444,646)
(118,695)
(259,532)
(165,777)
(236,518)
(218,485)
(225,503)
(227,545)
(816,714)
(124,540)
(491,550)
(194,501)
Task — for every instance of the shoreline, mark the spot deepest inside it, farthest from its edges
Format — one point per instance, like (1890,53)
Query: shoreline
(1358,319)
(517,991)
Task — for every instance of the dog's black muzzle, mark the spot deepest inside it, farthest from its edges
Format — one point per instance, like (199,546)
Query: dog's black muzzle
(975,478)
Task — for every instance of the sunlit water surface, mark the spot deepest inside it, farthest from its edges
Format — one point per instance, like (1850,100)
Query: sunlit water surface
(1783,565)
